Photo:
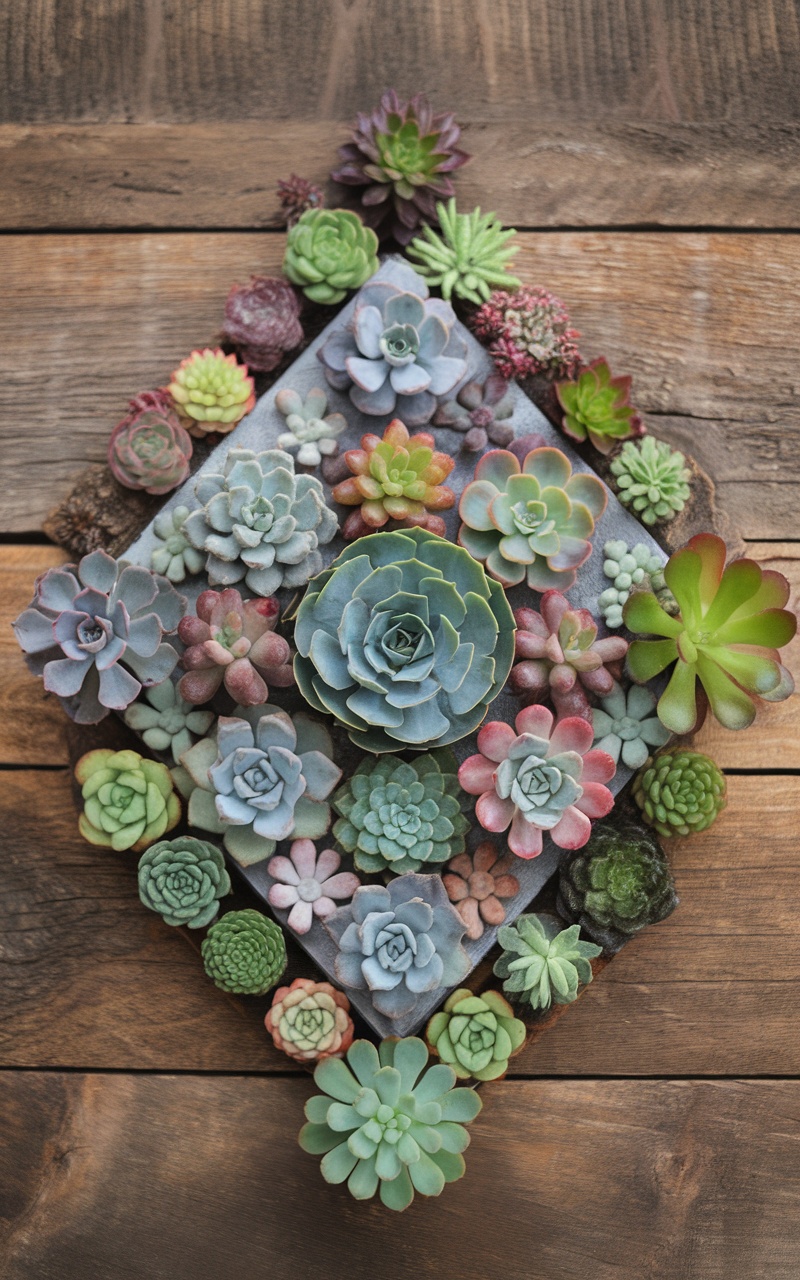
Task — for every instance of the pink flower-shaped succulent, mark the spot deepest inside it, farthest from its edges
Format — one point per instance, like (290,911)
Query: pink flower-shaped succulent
(234,642)
(476,883)
(309,884)
(539,779)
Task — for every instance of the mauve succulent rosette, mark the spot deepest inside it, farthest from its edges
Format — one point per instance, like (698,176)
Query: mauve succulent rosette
(149,449)
(262,319)
(482,412)
(539,779)
(233,642)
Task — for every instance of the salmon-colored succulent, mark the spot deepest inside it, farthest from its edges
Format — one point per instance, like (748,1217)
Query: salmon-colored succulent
(233,642)
(477,882)
(309,1021)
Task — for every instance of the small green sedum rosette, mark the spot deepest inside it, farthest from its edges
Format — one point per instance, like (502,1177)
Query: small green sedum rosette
(183,880)
(244,953)
(128,801)
(476,1035)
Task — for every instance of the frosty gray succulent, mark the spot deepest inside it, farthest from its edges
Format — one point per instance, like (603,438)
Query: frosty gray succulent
(626,726)
(260,522)
(628,568)
(308,429)
(166,721)
(94,632)
(174,555)
(399,941)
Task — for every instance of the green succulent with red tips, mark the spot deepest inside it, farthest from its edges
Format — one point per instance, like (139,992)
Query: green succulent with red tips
(597,407)
(727,635)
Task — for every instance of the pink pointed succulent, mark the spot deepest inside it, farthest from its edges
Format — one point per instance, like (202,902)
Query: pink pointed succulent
(561,656)
(233,642)
(539,779)
(308,884)
(477,882)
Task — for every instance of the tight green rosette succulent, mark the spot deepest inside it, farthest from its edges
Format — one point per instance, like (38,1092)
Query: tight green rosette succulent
(397,816)
(183,880)
(404,640)
(597,407)
(652,479)
(128,802)
(386,1123)
(329,251)
(726,634)
(542,963)
(476,1035)
(468,258)
(617,884)
(679,792)
(244,953)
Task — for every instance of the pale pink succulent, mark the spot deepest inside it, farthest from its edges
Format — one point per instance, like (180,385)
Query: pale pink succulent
(477,882)
(538,779)
(233,642)
(308,884)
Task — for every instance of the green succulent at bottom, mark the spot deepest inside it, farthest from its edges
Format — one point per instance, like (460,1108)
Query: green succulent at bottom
(383,1122)
(183,880)
(476,1035)
(244,952)
(543,963)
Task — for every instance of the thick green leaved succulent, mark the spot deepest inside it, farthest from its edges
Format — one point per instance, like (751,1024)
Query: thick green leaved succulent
(128,801)
(652,479)
(597,407)
(385,1123)
(397,816)
(244,952)
(679,792)
(476,1035)
(468,258)
(727,633)
(542,963)
(183,880)
(329,251)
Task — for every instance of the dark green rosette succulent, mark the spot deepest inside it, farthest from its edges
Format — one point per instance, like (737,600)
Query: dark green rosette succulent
(244,953)
(404,640)
(543,964)
(183,880)
(476,1035)
(680,791)
(328,252)
(617,884)
(396,816)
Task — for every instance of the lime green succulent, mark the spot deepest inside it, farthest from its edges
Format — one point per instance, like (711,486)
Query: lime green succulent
(542,963)
(329,251)
(244,953)
(679,792)
(468,258)
(476,1035)
(128,802)
(652,479)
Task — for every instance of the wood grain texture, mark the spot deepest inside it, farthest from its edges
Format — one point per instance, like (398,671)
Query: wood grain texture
(147,1177)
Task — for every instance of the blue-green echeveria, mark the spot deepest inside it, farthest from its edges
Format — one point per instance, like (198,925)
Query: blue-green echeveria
(183,880)
(626,726)
(404,640)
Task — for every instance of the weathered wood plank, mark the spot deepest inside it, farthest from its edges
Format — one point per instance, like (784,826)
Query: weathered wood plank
(139,1177)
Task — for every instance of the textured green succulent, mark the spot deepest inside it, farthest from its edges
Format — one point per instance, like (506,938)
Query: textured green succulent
(543,963)
(629,568)
(398,817)
(617,883)
(128,801)
(211,391)
(597,407)
(468,258)
(183,880)
(680,791)
(476,1035)
(652,479)
(383,1122)
(244,953)
(329,251)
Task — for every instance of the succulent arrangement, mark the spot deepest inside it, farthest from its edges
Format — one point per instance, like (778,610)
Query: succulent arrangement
(183,880)
(626,726)
(481,412)
(597,408)
(478,883)
(310,429)
(652,479)
(166,721)
(528,334)
(328,252)
(542,963)
(629,568)
(233,642)
(307,884)
(211,392)
(175,556)
(244,952)
(680,792)
(150,450)
(468,257)
(128,802)
(476,1035)
(309,1021)
(262,319)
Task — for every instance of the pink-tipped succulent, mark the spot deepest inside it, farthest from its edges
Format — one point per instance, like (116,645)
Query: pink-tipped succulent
(528,332)
(539,779)
(296,195)
(149,449)
(561,656)
(211,392)
(233,643)
(598,407)
(262,319)
(482,412)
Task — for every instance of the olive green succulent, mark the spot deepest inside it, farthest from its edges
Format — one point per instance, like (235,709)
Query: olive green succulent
(476,1035)
(128,802)
(468,258)
(652,479)
(543,963)
(597,407)
(183,880)
(244,953)
(680,791)
(329,251)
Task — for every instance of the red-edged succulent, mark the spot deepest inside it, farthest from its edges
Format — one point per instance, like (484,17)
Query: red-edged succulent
(149,449)
(233,642)
(598,407)
(528,333)
(262,319)
(296,195)
(561,656)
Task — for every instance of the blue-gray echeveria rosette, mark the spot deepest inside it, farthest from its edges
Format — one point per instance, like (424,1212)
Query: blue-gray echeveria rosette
(94,632)
(260,522)
(626,725)
(166,721)
(400,352)
(261,779)
(404,640)
(398,942)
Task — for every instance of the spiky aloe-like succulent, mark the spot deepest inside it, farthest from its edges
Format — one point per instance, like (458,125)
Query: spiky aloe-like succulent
(395,477)
(128,801)
(211,392)
(532,521)
(328,252)
(481,411)
(528,333)
(149,449)
(597,407)
(297,194)
(468,258)
(726,635)
(401,157)
(652,479)
(476,1035)
(385,1123)
(397,816)
(561,656)
(262,319)
(310,429)
(628,568)
(234,642)
(543,963)
(680,791)
(404,640)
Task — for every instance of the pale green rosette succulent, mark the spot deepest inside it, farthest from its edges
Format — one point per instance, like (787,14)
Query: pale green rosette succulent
(183,880)
(626,725)
(542,963)
(174,555)
(384,1123)
(476,1035)
(166,721)
(328,252)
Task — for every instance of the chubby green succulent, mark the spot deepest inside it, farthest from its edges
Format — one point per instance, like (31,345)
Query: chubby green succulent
(329,251)
(174,555)
(385,1123)
(183,880)
(244,953)
(397,816)
(468,258)
(617,883)
(476,1035)
(542,963)
(680,791)
(128,801)
(629,568)
(652,479)
(597,407)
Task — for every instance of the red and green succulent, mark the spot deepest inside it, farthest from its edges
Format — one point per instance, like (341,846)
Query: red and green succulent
(598,407)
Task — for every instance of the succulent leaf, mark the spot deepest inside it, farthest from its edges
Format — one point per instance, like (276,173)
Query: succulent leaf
(542,963)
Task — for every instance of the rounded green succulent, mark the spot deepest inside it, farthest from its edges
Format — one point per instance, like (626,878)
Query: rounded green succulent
(383,1122)
(617,883)
(398,817)
(468,258)
(597,407)
(174,555)
(629,569)
(680,791)
(128,802)
(244,953)
(329,251)
(476,1035)
(652,479)
(543,963)
(183,880)
(211,391)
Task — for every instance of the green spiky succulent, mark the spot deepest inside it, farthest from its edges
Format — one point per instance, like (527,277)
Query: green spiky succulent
(468,258)
(680,791)
(652,479)
(399,817)
(329,251)
(244,953)
(597,407)
(476,1035)
(542,963)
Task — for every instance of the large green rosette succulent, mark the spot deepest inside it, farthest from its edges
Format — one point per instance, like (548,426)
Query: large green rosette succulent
(476,1035)
(384,1123)
(328,252)
(183,880)
(404,640)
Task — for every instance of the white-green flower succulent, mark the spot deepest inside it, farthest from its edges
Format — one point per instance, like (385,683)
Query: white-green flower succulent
(625,725)
(309,431)
(175,556)
(166,721)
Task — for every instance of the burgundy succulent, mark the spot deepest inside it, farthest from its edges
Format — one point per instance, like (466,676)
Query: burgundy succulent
(234,643)
(296,195)
(262,319)
(528,332)
(482,412)
(150,449)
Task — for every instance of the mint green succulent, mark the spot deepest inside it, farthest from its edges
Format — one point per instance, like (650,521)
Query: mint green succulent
(652,479)
(183,880)
(476,1035)
(174,556)
(542,963)
(329,251)
(679,792)
(626,725)
(384,1123)
(629,568)
(468,258)
(166,721)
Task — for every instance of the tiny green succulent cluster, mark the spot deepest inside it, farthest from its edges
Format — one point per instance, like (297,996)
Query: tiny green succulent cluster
(542,963)
(652,479)
(476,1035)
(628,568)
(244,953)
(183,880)
(329,251)
(468,258)
(680,791)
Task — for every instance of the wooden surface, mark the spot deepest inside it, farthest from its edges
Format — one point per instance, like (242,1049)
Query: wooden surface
(651,152)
